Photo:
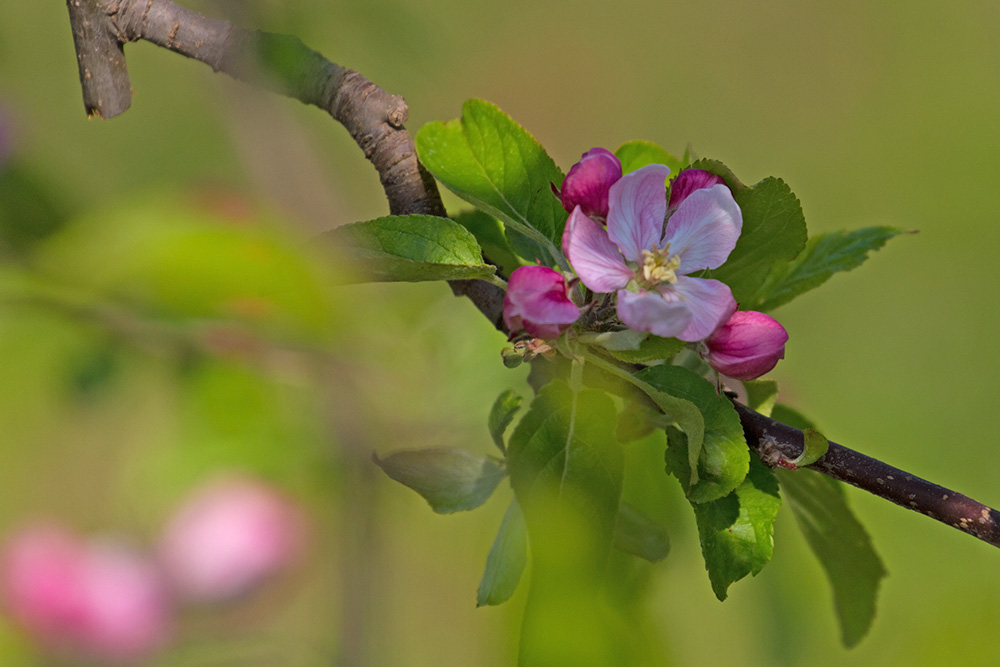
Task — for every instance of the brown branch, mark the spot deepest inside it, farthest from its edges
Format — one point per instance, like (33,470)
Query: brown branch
(776,443)
(373,117)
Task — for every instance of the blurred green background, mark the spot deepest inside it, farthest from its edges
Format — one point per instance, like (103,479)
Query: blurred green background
(873,113)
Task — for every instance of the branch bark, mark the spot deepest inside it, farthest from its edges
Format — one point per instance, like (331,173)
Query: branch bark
(375,119)
(775,443)
(282,63)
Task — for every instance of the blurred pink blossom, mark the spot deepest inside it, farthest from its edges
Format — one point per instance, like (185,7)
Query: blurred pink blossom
(227,537)
(91,598)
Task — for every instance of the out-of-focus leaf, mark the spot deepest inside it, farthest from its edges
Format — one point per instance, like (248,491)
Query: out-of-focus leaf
(637,534)
(842,546)
(411,248)
(492,239)
(501,415)
(637,154)
(761,395)
(506,560)
(450,480)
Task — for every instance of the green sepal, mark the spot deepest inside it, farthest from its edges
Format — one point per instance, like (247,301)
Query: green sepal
(450,480)
(411,248)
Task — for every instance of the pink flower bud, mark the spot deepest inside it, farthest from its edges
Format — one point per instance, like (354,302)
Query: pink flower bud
(748,345)
(588,182)
(99,600)
(228,537)
(687,182)
(537,301)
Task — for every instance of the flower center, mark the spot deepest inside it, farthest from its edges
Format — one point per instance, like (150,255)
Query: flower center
(659,266)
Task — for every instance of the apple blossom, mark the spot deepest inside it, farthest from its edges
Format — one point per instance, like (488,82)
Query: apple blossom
(538,302)
(98,599)
(648,262)
(230,535)
(748,345)
(686,182)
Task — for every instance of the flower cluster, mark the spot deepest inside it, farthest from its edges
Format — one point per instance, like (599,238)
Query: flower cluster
(625,237)
(105,600)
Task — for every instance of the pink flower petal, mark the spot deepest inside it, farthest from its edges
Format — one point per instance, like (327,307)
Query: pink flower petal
(649,311)
(705,228)
(538,302)
(708,301)
(638,205)
(593,256)
(588,181)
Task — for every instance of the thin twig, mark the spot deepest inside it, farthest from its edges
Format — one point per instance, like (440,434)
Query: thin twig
(768,437)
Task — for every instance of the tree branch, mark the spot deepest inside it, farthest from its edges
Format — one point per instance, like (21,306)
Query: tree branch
(282,63)
(776,443)
(375,120)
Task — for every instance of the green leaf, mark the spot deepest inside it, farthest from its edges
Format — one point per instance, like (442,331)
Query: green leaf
(637,154)
(506,560)
(490,235)
(761,395)
(842,546)
(637,534)
(823,256)
(737,531)
(501,414)
(450,480)
(411,248)
(723,457)
(493,163)
(774,230)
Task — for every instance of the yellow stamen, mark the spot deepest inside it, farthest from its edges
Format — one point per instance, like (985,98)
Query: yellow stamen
(658,266)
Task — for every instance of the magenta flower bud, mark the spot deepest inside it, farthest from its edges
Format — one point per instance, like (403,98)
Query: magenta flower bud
(687,182)
(588,182)
(228,537)
(537,301)
(98,600)
(748,345)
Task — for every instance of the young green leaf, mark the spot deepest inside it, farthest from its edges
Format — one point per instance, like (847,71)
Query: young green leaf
(411,248)
(506,560)
(774,230)
(493,163)
(652,348)
(637,534)
(501,414)
(842,546)
(823,256)
(450,480)
(814,447)
(737,531)
(637,154)
(723,457)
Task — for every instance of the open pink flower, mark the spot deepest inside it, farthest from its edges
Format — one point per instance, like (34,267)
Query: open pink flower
(588,182)
(538,302)
(748,345)
(648,263)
